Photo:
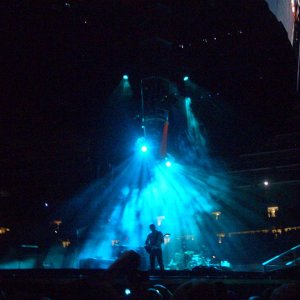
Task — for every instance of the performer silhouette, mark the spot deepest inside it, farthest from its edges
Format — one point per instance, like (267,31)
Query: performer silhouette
(153,246)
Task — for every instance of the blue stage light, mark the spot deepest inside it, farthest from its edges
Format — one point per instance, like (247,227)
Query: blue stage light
(125,77)
(144,148)
(168,164)
(142,145)
(185,78)
(127,292)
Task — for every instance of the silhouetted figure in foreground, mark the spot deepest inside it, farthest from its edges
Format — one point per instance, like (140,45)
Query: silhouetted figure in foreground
(289,291)
(128,261)
(195,289)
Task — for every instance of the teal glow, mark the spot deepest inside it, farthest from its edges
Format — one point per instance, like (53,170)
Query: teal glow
(168,164)
(268,261)
(121,95)
(144,148)
(125,77)
(295,247)
(143,190)
(142,145)
(194,133)
(185,78)
(127,292)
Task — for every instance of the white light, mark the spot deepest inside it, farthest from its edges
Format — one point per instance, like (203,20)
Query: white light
(127,292)
(266,183)
(168,164)
(142,145)
(293,6)
(144,148)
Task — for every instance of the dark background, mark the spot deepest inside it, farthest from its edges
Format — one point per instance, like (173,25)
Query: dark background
(60,61)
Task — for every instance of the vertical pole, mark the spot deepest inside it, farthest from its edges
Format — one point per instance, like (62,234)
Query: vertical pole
(142,109)
(298,70)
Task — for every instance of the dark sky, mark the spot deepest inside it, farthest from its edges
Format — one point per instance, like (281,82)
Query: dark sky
(60,60)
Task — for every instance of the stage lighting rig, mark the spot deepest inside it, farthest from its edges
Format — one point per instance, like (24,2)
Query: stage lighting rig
(142,145)
(158,95)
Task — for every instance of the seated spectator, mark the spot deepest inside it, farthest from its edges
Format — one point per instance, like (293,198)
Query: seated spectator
(128,261)
(290,291)
(127,268)
(201,290)
(166,293)
(90,289)
(195,290)
(153,294)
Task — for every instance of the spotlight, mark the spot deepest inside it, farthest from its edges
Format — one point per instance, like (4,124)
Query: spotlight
(142,145)
(127,292)
(185,78)
(144,148)
(168,160)
(125,77)
(168,164)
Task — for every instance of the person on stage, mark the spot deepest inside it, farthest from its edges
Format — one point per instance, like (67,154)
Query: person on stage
(153,247)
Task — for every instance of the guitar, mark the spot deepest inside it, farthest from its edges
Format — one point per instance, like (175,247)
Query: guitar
(149,248)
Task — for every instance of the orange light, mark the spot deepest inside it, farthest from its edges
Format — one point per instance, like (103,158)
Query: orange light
(216,214)
(66,243)
(4,230)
